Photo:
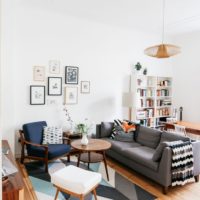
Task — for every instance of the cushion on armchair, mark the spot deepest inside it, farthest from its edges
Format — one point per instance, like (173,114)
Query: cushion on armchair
(52,135)
(33,132)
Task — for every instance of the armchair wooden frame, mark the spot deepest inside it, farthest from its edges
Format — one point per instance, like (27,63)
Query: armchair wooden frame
(45,158)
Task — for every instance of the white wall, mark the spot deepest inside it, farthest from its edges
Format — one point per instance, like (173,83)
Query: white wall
(104,55)
(186,73)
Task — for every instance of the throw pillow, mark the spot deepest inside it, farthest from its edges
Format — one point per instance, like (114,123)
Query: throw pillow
(159,150)
(52,135)
(128,126)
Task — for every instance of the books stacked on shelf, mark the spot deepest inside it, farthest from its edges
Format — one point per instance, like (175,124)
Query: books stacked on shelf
(141,114)
(146,103)
(148,122)
(146,92)
(163,92)
(163,112)
(164,102)
(165,83)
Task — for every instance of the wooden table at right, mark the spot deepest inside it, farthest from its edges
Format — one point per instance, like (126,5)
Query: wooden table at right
(193,128)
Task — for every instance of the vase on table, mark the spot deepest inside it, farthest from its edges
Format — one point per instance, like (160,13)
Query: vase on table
(84,140)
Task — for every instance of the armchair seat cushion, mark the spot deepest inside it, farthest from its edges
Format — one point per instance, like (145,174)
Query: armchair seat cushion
(55,150)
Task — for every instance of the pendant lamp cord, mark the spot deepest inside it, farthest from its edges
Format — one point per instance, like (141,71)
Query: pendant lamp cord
(163,24)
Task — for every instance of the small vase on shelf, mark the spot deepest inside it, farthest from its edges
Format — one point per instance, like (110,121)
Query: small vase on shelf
(84,140)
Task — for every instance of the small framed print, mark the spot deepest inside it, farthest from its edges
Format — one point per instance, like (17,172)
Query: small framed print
(37,95)
(38,73)
(54,66)
(54,86)
(85,87)
(71,95)
(71,75)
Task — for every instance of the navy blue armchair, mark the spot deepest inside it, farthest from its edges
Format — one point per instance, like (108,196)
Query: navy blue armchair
(31,137)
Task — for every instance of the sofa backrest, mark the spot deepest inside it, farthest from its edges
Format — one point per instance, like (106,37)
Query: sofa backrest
(148,137)
(167,136)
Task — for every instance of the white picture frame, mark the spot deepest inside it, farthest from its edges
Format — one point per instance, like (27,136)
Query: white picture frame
(38,73)
(54,66)
(71,95)
(85,87)
(37,94)
(54,86)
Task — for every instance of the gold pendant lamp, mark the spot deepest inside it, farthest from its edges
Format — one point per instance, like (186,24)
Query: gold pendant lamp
(162,50)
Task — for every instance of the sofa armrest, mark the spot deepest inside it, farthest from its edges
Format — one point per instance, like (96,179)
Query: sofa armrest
(196,154)
(165,166)
(98,130)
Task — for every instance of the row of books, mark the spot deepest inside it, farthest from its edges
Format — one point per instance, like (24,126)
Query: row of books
(148,122)
(163,92)
(164,102)
(164,83)
(146,102)
(145,113)
(146,92)
(163,112)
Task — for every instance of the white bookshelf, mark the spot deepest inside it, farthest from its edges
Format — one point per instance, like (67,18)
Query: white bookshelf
(152,99)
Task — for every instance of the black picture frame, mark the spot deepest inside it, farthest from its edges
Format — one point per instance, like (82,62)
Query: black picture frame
(54,86)
(37,95)
(71,75)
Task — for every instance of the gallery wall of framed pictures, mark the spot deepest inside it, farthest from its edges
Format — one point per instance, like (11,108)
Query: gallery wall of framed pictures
(55,82)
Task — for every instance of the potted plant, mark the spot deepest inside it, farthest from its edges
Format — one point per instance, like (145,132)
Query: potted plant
(145,71)
(138,66)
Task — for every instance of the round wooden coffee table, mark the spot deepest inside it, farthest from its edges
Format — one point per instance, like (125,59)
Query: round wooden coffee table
(93,152)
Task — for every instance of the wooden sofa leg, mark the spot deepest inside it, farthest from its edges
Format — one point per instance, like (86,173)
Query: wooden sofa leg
(165,189)
(68,158)
(196,178)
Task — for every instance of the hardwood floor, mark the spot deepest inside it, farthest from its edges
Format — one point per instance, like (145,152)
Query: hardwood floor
(187,192)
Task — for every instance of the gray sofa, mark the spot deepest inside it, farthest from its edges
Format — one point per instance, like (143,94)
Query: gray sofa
(137,153)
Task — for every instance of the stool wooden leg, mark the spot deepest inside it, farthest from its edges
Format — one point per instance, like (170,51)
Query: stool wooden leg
(95,194)
(56,194)
(81,197)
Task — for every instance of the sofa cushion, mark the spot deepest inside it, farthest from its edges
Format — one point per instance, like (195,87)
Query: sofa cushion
(159,150)
(167,136)
(106,129)
(119,146)
(148,137)
(124,137)
(142,155)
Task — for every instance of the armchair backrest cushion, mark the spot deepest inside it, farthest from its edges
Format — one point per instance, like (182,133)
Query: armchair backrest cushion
(33,132)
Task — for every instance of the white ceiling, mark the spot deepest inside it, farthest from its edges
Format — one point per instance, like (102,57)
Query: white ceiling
(181,15)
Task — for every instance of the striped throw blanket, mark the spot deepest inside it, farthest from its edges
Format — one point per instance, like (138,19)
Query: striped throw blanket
(182,163)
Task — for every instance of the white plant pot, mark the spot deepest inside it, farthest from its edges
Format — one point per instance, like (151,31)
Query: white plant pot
(84,140)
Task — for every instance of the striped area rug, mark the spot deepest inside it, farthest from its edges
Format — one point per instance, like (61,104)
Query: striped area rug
(118,188)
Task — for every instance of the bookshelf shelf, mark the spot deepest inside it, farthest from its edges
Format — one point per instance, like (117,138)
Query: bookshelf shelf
(152,99)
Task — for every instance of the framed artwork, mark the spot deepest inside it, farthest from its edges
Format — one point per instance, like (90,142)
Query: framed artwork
(85,87)
(37,95)
(71,95)
(54,86)
(71,75)
(38,73)
(54,66)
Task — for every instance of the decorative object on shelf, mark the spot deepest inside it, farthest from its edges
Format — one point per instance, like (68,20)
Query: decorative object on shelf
(71,95)
(37,95)
(138,66)
(145,71)
(181,113)
(54,66)
(68,119)
(71,75)
(38,73)
(85,87)
(162,50)
(54,86)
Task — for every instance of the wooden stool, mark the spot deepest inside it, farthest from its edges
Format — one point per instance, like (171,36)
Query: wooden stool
(75,181)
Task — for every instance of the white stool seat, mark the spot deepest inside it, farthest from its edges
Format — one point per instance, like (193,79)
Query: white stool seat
(75,179)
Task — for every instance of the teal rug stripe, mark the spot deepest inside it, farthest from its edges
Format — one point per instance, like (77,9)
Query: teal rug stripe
(45,187)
